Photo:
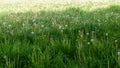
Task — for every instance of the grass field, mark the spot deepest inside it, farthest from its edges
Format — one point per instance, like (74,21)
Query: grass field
(59,34)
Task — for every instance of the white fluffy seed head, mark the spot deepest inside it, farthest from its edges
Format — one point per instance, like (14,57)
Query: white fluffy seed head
(32,32)
(88,43)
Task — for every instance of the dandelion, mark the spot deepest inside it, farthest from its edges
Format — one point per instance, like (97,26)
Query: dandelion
(5,57)
(87,33)
(9,25)
(60,27)
(93,31)
(32,32)
(61,30)
(4,23)
(33,20)
(118,53)
(98,20)
(42,26)
(91,40)
(116,41)
(66,25)
(34,24)
(106,34)
(88,43)
(23,24)
(68,15)
(81,36)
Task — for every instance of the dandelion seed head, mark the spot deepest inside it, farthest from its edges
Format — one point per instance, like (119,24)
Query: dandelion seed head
(87,33)
(9,25)
(42,26)
(66,25)
(81,36)
(92,40)
(32,32)
(106,34)
(5,57)
(88,43)
(60,27)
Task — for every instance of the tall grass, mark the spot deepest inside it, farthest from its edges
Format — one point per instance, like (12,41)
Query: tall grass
(71,38)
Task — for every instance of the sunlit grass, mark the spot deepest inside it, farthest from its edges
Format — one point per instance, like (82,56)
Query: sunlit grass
(37,5)
(59,34)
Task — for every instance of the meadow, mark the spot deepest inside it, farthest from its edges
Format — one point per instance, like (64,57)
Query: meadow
(60,34)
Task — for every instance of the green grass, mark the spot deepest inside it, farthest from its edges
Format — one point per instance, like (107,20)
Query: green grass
(72,36)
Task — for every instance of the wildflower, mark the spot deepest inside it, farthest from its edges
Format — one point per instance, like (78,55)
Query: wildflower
(42,26)
(81,36)
(34,24)
(91,40)
(118,53)
(116,41)
(68,15)
(66,25)
(106,34)
(87,33)
(9,25)
(32,33)
(98,20)
(88,43)
(61,30)
(60,27)
(33,20)
(4,23)
(93,31)
(23,24)
(5,57)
